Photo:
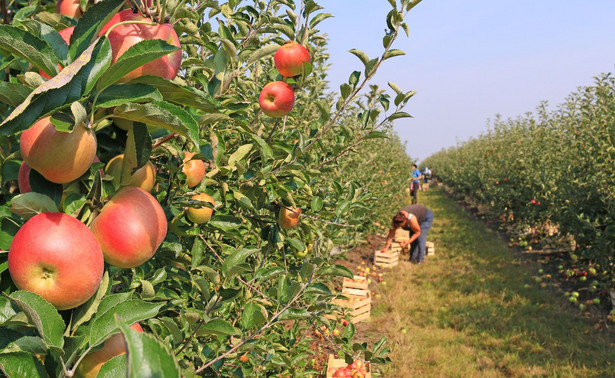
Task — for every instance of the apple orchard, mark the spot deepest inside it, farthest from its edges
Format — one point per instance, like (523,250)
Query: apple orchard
(174,178)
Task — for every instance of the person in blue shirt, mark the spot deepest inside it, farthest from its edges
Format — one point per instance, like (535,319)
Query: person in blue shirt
(415,184)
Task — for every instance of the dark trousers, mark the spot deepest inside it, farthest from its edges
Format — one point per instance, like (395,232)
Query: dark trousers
(414,190)
(418,249)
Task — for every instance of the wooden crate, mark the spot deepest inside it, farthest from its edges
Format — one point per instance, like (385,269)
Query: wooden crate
(431,249)
(612,294)
(386,259)
(359,306)
(401,234)
(359,282)
(425,187)
(336,363)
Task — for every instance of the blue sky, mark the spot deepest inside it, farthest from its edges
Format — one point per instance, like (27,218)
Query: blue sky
(471,60)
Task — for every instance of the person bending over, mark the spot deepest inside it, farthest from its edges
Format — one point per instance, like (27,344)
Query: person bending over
(418,220)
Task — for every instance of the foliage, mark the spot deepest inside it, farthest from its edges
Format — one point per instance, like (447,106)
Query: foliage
(236,284)
(552,168)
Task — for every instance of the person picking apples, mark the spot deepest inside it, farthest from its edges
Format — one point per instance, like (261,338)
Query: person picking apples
(418,220)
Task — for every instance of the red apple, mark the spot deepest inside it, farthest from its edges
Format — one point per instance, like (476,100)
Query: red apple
(144,177)
(113,346)
(343,372)
(287,218)
(65,34)
(194,169)
(59,156)
(122,37)
(23,178)
(57,257)
(203,214)
(69,8)
(130,227)
(277,99)
(290,57)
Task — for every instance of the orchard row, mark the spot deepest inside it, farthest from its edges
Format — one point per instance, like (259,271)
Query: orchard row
(185,182)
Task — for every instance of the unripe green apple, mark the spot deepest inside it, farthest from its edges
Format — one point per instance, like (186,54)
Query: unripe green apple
(144,177)
(130,227)
(202,214)
(57,257)
(93,361)
(59,156)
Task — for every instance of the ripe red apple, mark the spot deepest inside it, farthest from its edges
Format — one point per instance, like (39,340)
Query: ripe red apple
(113,346)
(122,37)
(203,214)
(194,169)
(130,227)
(23,178)
(290,57)
(144,177)
(65,34)
(277,99)
(287,218)
(343,372)
(69,8)
(59,156)
(57,257)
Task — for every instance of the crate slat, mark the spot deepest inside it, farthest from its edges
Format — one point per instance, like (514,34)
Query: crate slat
(386,259)
(431,249)
(359,282)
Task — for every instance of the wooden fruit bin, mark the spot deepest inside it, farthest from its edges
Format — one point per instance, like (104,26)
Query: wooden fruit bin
(359,282)
(359,306)
(401,235)
(336,363)
(431,249)
(386,259)
(425,187)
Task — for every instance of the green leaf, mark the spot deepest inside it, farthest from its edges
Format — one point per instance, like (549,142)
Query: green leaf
(142,140)
(30,204)
(197,252)
(135,57)
(85,312)
(21,364)
(64,88)
(336,270)
(265,149)
(218,327)
(296,244)
(369,67)
(241,152)
(147,356)
(266,273)
(90,24)
(119,94)
(25,45)
(162,114)
(392,53)
(225,222)
(395,88)
(262,52)
(317,204)
(113,368)
(30,344)
(131,311)
(180,94)
(49,35)
(5,244)
(42,315)
(236,258)
(13,94)
(361,55)
(318,18)
(295,314)
(254,315)
(398,115)
(376,134)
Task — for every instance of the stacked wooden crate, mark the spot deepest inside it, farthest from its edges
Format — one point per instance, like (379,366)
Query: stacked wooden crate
(359,300)
(431,249)
(387,259)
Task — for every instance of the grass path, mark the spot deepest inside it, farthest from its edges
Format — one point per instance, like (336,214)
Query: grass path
(466,312)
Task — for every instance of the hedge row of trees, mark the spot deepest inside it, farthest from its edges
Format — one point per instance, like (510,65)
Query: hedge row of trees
(551,167)
(239,294)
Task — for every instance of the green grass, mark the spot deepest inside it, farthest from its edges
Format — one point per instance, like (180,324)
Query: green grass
(466,311)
